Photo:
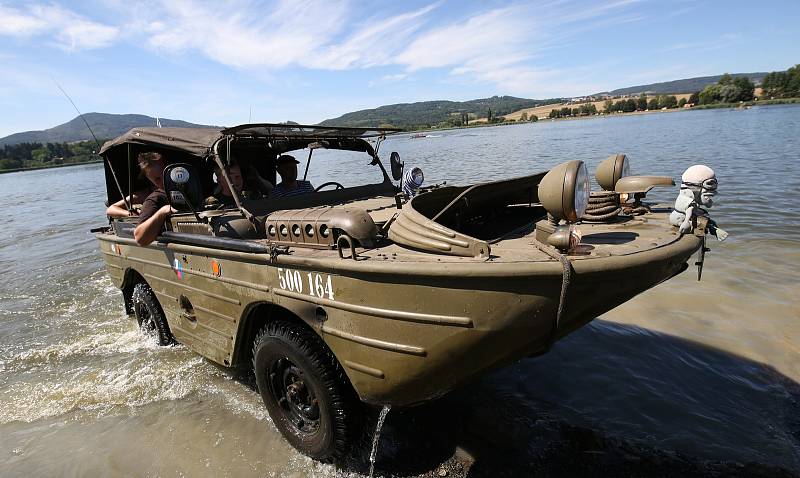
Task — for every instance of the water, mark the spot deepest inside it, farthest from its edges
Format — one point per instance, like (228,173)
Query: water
(709,370)
(376,438)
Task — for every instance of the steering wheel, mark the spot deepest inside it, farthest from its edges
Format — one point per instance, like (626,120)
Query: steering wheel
(329,183)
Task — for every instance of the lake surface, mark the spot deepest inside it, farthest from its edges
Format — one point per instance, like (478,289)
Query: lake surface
(708,369)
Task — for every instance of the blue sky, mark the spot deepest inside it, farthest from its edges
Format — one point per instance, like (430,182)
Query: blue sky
(214,62)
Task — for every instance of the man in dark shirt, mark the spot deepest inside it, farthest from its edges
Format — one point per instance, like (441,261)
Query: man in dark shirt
(155,209)
(224,198)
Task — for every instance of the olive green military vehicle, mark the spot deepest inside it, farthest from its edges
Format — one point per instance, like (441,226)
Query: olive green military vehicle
(383,293)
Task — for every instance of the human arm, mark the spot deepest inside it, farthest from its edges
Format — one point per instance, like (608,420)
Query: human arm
(147,231)
(119,208)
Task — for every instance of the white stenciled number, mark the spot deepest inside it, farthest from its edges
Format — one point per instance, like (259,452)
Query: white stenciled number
(319,285)
(281,279)
(298,282)
(290,280)
(319,288)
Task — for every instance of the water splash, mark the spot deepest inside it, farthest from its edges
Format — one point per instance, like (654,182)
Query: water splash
(376,438)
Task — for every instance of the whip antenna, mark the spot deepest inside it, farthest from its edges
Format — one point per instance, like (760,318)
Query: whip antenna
(128,205)
(79,113)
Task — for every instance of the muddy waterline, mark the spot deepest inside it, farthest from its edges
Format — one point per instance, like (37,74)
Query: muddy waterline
(707,369)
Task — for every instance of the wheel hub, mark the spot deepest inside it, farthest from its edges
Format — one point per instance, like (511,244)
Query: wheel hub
(297,401)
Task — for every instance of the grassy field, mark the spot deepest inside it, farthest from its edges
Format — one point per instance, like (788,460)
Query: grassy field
(544,111)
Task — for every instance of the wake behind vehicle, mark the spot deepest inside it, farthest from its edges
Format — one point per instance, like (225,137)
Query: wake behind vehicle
(383,293)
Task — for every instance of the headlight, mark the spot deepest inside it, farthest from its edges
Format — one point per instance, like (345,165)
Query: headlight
(564,191)
(581,191)
(612,170)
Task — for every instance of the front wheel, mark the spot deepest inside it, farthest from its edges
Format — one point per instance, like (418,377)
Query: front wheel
(305,390)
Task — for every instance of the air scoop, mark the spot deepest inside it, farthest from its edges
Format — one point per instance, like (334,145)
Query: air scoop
(641,184)
(320,226)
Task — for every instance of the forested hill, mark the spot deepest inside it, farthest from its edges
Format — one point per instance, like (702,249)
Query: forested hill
(688,85)
(432,113)
(104,125)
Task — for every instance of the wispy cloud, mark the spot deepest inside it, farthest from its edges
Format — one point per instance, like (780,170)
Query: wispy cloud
(242,38)
(65,29)
(723,42)
(500,46)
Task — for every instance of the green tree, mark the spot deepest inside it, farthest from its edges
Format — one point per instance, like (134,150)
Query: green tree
(534,118)
(641,103)
(652,104)
(681,102)
(524,116)
(41,155)
(694,98)
(607,106)
(629,105)
(665,101)
(746,88)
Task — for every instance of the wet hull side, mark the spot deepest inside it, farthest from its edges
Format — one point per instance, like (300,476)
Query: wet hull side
(403,333)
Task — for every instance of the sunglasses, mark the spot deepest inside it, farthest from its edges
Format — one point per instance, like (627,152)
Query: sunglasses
(709,184)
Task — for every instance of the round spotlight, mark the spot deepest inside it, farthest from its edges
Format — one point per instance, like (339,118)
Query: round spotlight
(611,170)
(564,191)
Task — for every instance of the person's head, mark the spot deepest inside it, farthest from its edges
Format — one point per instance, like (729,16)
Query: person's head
(152,165)
(235,175)
(286,166)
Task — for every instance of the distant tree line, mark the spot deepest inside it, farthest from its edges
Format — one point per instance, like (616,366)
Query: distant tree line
(777,84)
(585,109)
(37,155)
(782,84)
(643,104)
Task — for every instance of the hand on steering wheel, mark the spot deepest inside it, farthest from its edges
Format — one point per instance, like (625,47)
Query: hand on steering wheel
(329,183)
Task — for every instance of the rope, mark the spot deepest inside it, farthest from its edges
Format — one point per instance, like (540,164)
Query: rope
(566,278)
(603,206)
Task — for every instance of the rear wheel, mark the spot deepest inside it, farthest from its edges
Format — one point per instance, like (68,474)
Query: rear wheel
(305,390)
(149,315)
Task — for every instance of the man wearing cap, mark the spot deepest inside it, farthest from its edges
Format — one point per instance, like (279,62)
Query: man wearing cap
(289,185)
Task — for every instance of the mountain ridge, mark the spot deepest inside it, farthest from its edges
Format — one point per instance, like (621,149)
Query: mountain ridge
(104,125)
(686,85)
(419,114)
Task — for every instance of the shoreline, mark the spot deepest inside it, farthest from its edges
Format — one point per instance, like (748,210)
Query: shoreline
(22,170)
(746,104)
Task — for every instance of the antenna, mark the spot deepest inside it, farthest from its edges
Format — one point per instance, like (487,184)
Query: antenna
(79,113)
(97,145)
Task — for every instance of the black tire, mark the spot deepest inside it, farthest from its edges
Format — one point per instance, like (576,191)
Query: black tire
(149,315)
(305,390)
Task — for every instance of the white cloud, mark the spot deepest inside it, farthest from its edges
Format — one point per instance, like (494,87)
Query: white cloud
(256,37)
(67,29)
(17,23)
(374,44)
(501,46)
(497,46)
(316,34)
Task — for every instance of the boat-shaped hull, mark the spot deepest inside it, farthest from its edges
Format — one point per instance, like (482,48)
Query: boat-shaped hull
(404,332)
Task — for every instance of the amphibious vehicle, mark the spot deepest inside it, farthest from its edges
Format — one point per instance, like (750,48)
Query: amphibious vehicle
(383,293)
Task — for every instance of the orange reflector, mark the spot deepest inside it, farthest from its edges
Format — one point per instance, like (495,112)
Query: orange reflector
(216,269)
